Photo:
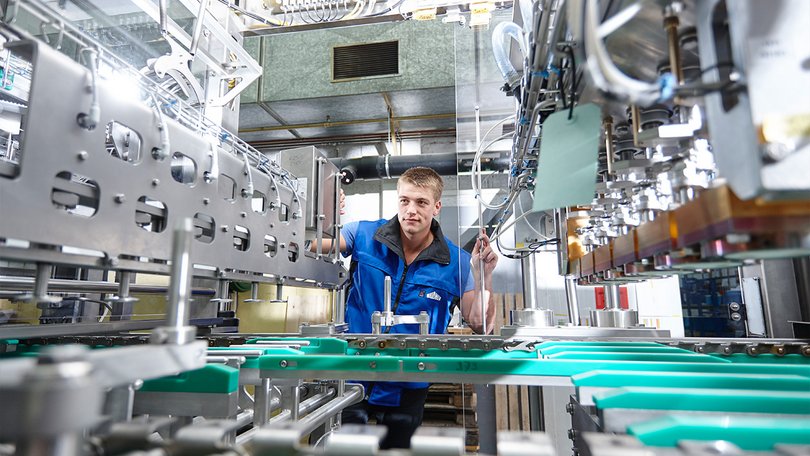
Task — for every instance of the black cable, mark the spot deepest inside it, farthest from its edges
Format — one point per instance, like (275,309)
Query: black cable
(607,11)
(573,66)
(532,248)
(387,10)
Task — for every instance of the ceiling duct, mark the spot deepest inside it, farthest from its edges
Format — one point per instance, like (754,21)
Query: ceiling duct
(365,60)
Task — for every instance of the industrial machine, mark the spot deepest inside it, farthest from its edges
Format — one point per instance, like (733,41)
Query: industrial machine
(657,138)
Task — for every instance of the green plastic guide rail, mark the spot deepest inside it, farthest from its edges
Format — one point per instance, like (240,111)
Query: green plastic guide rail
(333,358)
(750,433)
(705,380)
(705,399)
(212,378)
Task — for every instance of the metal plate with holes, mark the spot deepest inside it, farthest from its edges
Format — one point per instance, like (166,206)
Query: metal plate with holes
(65,168)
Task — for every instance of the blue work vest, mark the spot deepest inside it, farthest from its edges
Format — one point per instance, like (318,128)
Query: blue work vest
(432,283)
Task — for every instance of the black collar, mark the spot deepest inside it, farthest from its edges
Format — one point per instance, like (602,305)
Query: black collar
(390,235)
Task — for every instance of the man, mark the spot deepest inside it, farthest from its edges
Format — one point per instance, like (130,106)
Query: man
(428,272)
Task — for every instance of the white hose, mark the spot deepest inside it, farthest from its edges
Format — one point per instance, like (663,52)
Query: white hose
(604,72)
(500,35)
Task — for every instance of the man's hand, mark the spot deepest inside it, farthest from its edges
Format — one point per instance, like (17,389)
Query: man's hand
(483,250)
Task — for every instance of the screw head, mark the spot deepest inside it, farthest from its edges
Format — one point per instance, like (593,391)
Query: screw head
(243,214)
(120,198)
(224,228)
(420,366)
(283,363)
(155,182)
(206,201)
(806,350)
(372,364)
(362,344)
(82,155)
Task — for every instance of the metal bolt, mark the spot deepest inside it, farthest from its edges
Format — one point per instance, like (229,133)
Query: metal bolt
(381,344)
(726,350)
(224,228)
(362,344)
(82,155)
(752,351)
(155,182)
(120,198)
(420,366)
(806,350)
(569,407)
(206,201)
(283,363)
(780,351)
(372,364)
(700,349)
(243,214)
(572,434)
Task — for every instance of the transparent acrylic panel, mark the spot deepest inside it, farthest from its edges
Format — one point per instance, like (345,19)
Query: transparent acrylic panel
(480,105)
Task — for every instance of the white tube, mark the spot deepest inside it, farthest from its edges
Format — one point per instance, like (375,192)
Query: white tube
(500,34)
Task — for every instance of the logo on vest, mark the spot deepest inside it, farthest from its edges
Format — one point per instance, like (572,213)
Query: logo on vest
(432,295)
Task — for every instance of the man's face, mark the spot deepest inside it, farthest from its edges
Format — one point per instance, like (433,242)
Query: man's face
(416,208)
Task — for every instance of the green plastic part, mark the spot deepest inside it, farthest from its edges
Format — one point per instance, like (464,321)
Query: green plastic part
(618,379)
(630,356)
(213,378)
(613,349)
(601,343)
(708,400)
(748,433)
(505,366)
(766,358)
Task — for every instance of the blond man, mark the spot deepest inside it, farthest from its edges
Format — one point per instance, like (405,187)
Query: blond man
(428,272)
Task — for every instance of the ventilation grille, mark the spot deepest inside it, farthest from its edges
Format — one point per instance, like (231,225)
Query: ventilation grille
(365,60)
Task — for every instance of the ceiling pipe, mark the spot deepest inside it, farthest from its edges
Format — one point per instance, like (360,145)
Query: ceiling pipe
(392,166)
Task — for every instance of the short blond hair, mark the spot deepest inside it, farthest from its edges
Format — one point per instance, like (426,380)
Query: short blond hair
(424,178)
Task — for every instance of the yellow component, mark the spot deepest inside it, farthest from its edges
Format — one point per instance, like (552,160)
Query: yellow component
(424,14)
(786,129)
(481,13)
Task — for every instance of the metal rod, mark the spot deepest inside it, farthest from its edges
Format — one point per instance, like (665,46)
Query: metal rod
(318,417)
(262,402)
(87,286)
(635,122)
(612,297)
(124,279)
(180,285)
(164,15)
(305,407)
(529,266)
(387,294)
(608,125)
(44,272)
(671,24)
(572,300)
(198,26)
(295,397)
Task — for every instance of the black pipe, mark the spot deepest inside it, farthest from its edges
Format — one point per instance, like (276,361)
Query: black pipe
(392,166)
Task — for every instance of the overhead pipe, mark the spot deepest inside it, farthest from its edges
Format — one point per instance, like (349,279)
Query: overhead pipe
(391,166)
